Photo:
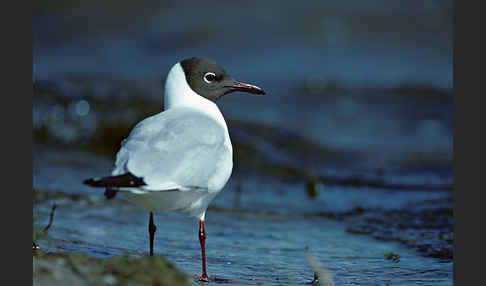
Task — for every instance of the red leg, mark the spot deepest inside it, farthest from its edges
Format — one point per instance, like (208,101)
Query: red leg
(202,239)
(152,229)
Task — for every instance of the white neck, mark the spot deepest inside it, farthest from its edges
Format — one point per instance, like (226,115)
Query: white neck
(178,93)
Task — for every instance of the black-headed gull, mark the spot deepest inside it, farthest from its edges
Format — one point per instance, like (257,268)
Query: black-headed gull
(181,158)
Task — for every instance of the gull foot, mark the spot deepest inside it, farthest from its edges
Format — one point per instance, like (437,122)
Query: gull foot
(204,278)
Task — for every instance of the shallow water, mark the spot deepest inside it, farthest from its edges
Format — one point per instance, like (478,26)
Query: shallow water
(270,238)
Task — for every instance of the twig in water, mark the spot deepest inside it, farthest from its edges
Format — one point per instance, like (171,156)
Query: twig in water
(51,218)
(321,274)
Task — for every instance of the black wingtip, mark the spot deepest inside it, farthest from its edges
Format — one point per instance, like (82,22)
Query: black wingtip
(89,182)
(95,182)
(125,180)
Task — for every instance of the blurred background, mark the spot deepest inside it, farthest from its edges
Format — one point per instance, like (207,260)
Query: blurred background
(357,121)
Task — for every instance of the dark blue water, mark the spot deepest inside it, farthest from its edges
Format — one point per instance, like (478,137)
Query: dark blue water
(359,96)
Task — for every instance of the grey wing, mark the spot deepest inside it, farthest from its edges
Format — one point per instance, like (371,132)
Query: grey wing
(177,149)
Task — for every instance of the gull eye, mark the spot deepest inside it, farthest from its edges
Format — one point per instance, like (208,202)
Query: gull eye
(209,77)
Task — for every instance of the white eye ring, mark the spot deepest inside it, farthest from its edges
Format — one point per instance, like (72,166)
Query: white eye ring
(209,77)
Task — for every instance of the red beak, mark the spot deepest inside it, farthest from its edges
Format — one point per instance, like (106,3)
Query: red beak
(246,87)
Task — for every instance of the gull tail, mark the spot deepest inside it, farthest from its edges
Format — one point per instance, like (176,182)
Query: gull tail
(112,183)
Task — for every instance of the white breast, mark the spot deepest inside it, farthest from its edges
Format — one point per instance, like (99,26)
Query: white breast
(179,94)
